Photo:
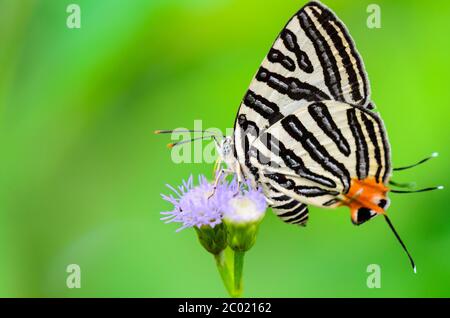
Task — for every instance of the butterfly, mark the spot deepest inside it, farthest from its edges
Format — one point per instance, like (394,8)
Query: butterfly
(306,131)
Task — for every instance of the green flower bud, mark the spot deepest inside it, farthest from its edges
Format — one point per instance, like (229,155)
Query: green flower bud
(213,239)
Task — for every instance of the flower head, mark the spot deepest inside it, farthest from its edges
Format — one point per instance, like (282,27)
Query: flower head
(248,206)
(202,205)
(197,206)
(242,216)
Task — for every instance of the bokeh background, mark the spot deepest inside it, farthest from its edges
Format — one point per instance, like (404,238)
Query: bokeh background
(81,172)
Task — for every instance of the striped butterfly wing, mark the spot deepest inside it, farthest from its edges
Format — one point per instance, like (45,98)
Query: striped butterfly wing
(320,153)
(285,207)
(313,59)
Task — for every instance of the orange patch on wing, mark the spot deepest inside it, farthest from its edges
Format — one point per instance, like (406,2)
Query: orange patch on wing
(365,193)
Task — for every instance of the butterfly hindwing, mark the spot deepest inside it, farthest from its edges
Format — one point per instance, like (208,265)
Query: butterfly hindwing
(286,208)
(314,154)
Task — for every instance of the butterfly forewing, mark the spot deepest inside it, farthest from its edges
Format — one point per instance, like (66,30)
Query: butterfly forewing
(313,59)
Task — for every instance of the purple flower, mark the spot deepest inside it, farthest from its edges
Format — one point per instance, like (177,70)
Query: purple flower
(195,206)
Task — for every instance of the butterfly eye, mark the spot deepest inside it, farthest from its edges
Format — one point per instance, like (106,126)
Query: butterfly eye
(242,119)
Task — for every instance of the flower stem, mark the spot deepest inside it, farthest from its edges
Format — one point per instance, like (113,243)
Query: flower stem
(230,265)
(225,269)
(238,268)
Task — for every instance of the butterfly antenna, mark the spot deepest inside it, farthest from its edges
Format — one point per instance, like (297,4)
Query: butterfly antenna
(408,185)
(160,132)
(419,190)
(433,155)
(171,145)
(401,242)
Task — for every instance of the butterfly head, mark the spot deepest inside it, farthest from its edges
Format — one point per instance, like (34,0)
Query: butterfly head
(225,149)
(366,199)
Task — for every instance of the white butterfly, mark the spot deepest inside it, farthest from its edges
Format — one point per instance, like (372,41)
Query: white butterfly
(305,131)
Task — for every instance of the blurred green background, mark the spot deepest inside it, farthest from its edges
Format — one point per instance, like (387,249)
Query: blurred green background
(81,171)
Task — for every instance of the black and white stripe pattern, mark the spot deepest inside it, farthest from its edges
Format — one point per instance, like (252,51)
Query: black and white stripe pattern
(294,162)
(296,130)
(288,209)
(313,59)
(292,212)
(310,164)
(290,41)
(325,121)
(337,54)
(303,129)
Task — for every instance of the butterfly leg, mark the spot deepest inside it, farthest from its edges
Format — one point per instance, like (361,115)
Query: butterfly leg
(231,168)
(219,175)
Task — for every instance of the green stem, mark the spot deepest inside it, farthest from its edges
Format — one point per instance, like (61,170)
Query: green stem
(238,268)
(230,265)
(224,270)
